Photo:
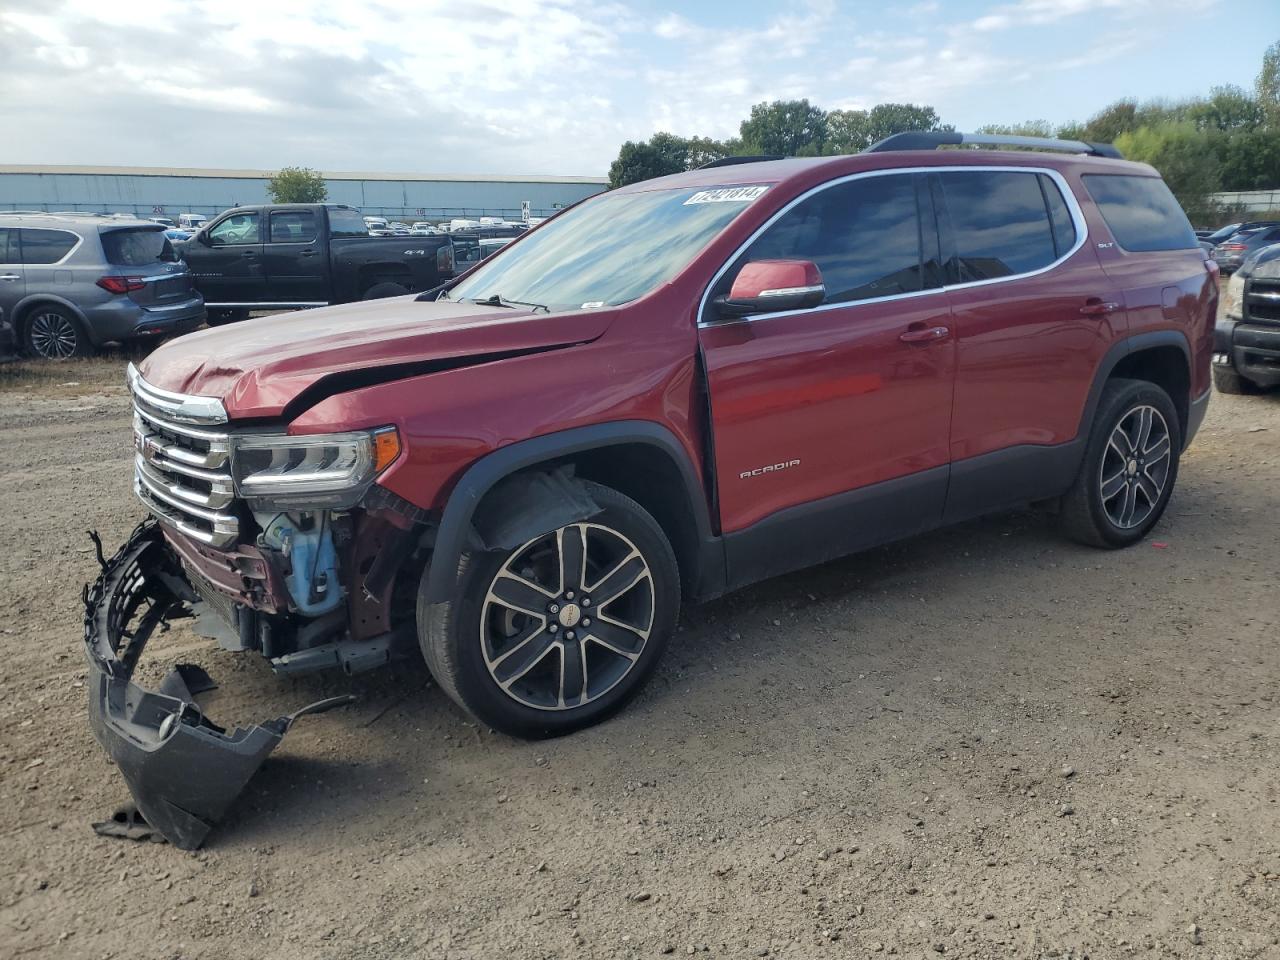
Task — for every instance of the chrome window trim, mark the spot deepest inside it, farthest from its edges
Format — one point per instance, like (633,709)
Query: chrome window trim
(1068,196)
(65,257)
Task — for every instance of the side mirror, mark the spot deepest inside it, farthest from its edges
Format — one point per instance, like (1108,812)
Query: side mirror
(770,286)
(203,238)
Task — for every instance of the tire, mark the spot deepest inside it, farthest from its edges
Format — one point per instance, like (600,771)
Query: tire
(1227,380)
(386,289)
(1123,487)
(217,317)
(54,333)
(485,655)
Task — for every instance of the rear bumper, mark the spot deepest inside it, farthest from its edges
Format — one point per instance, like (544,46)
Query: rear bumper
(182,769)
(1253,349)
(122,319)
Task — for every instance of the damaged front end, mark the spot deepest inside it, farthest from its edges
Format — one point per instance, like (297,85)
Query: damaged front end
(182,769)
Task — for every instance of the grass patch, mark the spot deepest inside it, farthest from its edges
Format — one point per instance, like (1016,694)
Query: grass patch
(68,378)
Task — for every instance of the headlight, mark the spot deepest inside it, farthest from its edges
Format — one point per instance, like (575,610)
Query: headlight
(323,470)
(1233,302)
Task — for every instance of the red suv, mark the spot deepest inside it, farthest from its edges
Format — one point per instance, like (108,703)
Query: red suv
(667,392)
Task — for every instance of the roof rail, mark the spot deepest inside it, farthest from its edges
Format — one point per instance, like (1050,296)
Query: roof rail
(734,161)
(932,139)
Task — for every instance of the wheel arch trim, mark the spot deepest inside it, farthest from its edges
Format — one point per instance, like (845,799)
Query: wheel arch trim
(455,530)
(1122,349)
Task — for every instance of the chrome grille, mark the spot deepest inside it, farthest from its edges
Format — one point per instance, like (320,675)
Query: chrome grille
(182,462)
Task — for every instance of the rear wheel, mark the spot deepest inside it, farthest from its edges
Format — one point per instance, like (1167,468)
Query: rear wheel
(385,289)
(1228,381)
(1129,469)
(54,333)
(560,632)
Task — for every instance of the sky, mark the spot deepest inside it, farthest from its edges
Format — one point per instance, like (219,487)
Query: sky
(555,86)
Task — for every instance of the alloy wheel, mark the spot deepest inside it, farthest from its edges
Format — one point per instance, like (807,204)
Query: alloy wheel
(567,617)
(1135,467)
(53,335)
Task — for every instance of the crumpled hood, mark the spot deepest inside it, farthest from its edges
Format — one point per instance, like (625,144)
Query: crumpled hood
(259,366)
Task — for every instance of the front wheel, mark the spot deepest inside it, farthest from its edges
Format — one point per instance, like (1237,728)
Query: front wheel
(219,316)
(560,632)
(1229,381)
(385,289)
(1130,466)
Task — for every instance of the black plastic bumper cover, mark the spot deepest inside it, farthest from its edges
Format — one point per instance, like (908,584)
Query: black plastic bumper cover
(182,769)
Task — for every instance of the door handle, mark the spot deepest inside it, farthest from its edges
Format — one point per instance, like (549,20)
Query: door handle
(250,254)
(9,276)
(925,335)
(307,253)
(1094,307)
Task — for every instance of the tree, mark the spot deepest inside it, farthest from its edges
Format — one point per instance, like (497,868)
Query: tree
(660,155)
(1228,109)
(851,131)
(1028,128)
(1185,157)
(1251,160)
(297,185)
(1267,86)
(790,128)
(1107,124)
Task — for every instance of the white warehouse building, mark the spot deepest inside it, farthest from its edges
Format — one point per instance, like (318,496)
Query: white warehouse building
(152,191)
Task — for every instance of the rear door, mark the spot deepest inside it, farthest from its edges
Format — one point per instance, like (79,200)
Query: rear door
(1034,315)
(13,284)
(293,255)
(838,415)
(226,260)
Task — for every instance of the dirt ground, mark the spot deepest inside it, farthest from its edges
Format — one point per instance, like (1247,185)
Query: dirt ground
(985,742)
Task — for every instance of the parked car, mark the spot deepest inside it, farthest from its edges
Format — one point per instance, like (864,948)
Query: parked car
(163,221)
(491,245)
(375,223)
(192,221)
(290,256)
(178,236)
(469,245)
(70,283)
(527,471)
(1232,252)
(424,229)
(1246,342)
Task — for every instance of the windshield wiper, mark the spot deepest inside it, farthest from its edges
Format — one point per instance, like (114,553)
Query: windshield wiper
(497,300)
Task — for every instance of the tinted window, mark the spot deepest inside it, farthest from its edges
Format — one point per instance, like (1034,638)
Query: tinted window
(999,222)
(137,247)
(1141,212)
(238,228)
(46,246)
(864,236)
(1064,229)
(347,223)
(8,255)
(293,226)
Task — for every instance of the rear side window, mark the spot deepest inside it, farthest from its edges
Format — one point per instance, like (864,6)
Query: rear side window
(46,246)
(293,226)
(864,235)
(1141,212)
(8,246)
(137,247)
(1064,228)
(347,223)
(1000,224)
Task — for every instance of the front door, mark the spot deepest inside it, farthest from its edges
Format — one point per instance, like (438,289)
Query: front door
(227,260)
(296,268)
(831,424)
(13,285)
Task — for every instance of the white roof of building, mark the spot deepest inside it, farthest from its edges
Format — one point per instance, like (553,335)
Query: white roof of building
(93,171)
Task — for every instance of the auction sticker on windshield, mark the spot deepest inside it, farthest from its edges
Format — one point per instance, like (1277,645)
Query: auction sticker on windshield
(727,195)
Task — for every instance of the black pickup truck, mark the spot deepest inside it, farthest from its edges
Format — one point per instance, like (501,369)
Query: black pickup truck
(295,255)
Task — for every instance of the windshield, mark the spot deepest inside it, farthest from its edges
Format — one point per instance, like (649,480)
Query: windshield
(610,250)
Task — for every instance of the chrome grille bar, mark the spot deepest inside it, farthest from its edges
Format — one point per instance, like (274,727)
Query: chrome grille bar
(182,464)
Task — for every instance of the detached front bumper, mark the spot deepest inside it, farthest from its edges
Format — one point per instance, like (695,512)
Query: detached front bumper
(182,769)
